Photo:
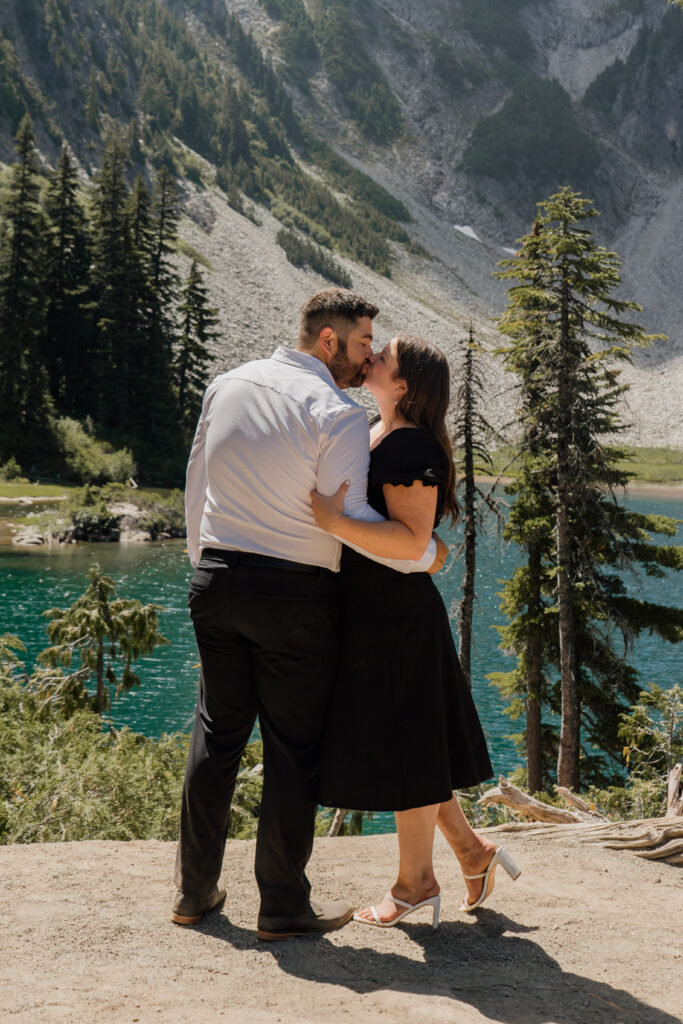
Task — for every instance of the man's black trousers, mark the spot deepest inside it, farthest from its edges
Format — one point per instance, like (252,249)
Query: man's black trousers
(267,640)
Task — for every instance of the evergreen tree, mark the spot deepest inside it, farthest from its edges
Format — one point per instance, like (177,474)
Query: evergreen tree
(153,424)
(114,308)
(68,326)
(567,332)
(193,356)
(472,434)
(106,634)
(24,396)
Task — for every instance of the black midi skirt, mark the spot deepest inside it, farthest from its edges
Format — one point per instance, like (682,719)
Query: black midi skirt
(402,729)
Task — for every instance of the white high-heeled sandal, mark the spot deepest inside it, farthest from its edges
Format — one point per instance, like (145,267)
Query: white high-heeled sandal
(502,857)
(433,901)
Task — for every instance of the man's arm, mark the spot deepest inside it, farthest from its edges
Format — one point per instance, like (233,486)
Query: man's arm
(346,456)
(197,482)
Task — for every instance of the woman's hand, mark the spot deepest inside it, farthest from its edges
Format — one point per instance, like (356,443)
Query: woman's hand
(441,555)
(329,511)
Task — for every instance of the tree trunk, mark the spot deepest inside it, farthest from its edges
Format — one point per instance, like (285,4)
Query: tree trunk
(99,700)
(568,759)
(534,683)
(337,821)
(467,603)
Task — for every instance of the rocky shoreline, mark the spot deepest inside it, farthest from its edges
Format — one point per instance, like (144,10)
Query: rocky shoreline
(117,521)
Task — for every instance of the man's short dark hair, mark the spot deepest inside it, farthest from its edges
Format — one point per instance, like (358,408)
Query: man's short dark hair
(336,308)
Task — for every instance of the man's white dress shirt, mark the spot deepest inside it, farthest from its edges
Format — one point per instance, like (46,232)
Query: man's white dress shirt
(269,433)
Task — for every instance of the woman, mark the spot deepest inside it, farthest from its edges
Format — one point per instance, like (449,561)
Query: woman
(403,732)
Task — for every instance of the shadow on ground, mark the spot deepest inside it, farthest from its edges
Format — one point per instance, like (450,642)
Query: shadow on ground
(490,967)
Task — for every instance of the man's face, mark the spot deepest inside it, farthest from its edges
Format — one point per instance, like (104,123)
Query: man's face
(351,359)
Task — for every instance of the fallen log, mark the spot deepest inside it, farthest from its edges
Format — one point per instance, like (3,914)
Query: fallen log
(658,839)
(511,796)
(670,849)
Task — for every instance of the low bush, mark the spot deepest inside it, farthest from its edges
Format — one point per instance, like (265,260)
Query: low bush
(164,514)
(87,460)
(68,776)
(11,470)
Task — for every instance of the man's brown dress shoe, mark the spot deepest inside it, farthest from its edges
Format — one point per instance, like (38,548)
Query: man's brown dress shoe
(190,909)
(320,917)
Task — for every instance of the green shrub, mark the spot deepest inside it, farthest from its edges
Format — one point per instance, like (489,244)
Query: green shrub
(11,470)
(163,514)
(88,460)
(303,253)
(66,776)
(94,522)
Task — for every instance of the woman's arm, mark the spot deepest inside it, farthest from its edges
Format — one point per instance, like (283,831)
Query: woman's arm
(405,535)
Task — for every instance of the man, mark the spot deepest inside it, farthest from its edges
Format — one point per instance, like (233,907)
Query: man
(263,601)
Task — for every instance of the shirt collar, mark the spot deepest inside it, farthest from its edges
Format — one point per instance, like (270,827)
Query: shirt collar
(293,357)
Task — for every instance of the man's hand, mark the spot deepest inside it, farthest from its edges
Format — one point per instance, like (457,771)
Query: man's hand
(441,555)
(328,511)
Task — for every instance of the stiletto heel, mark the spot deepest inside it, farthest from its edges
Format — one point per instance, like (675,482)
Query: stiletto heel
(434,902)
(502,857)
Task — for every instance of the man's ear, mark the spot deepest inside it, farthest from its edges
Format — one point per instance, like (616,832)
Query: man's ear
(327,340)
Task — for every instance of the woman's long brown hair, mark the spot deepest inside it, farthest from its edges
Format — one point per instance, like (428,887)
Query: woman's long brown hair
(425,370)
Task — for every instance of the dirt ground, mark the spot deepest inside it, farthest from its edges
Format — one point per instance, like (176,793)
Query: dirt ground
(585,935)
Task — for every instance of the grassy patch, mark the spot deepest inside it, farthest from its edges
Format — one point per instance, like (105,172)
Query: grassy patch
(649,465)
(185,249)
(655,465)
(17,489)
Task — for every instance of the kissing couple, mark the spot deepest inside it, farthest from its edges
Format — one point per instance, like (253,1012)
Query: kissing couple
(314,610)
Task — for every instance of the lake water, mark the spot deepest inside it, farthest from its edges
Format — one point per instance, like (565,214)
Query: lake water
(35,579)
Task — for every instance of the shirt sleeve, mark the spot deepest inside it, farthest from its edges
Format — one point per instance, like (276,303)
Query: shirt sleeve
(196,482)
(409,455)
(346,456)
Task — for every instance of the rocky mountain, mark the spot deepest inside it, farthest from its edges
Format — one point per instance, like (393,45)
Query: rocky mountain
(412,139)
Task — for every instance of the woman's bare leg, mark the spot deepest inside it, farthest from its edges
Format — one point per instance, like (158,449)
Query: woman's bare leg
(473,851)
(416,880)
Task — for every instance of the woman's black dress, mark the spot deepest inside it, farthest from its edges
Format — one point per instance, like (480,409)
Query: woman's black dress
(402,730)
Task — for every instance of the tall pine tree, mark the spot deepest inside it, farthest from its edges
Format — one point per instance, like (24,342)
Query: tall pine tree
(472,436)
(24,395)
(67,339)
(193,355)
(567,332)
(115,314)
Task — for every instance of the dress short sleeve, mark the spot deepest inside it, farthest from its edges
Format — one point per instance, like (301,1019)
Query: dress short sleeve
(406,455)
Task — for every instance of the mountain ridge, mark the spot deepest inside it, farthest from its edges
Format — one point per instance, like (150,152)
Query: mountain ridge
(421,167)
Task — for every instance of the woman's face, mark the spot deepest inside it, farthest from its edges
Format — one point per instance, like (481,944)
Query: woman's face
(382,378)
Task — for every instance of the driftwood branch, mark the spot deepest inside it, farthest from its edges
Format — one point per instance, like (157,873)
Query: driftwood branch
(575,801)
(509,795)
(337,821)
(658,839)
(674,805)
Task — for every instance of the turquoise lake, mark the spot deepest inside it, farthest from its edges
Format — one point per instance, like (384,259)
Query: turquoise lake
(33,580)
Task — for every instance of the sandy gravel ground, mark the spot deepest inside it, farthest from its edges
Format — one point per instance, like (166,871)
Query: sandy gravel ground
(585,935)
